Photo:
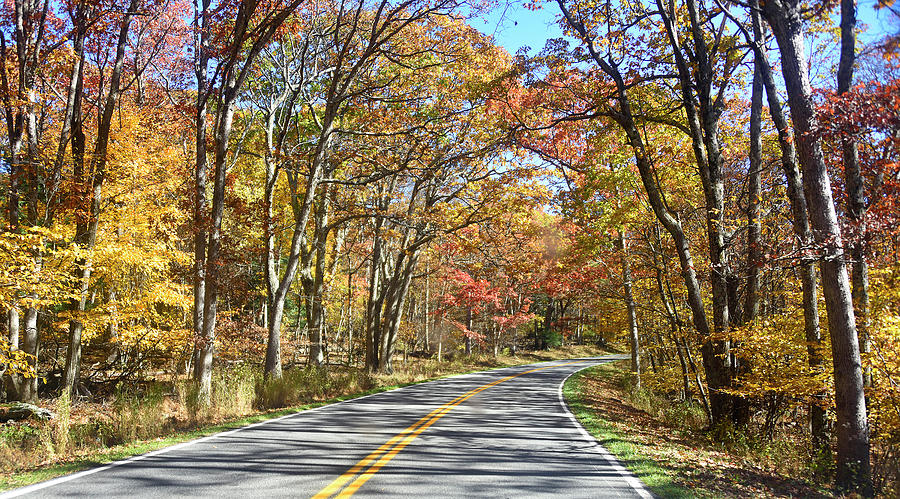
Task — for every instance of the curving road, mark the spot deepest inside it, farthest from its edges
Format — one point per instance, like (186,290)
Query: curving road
(499,433)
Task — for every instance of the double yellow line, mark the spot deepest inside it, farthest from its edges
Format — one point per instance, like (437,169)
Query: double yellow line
(382,455)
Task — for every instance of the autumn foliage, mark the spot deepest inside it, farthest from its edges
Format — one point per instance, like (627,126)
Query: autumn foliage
(262,185)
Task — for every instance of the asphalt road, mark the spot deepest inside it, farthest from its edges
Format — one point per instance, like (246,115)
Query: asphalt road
(500,433)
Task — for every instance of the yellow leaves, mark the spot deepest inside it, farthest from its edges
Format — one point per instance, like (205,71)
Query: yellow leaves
(34,272)
(776,353)
(15,361)
(883,398)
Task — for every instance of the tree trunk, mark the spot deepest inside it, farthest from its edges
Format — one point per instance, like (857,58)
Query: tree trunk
(223,129)
(685,380)
(633,337)
(12,322)
(235,64)
(854,472)
(855,187)
(468,338)
(799,212)
(754,227)
(314,280)
(28,390)
(427,309)
(201,167)
(717,374)
(373,304)
(349,311)
(396,294)
(703,111)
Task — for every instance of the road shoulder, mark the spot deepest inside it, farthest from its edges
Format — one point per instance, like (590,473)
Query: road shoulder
(671,462)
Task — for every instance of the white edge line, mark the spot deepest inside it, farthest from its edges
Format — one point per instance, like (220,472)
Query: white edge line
(78,474)
(614,463)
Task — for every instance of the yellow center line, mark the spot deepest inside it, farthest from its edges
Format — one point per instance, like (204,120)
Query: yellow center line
(382,455)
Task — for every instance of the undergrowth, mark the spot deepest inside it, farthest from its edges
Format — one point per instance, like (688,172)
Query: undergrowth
(785,451)
(668,443)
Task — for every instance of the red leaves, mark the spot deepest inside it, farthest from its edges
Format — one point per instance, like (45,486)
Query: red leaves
(471,294)
(869,115)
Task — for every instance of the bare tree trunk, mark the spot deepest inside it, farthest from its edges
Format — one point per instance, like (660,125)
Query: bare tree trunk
(349,311)
(10,385)
(396,294)
(314,281)
(799,212)
(20,105)
(854,472)
(30,345)
(703,110)
(704,396)
(754,227)
(224,121)
(855,187)
(201,167)
(274,300)
(374,302)
(427,306)
(685,380)
(12,318)
(468,339)
(633,337)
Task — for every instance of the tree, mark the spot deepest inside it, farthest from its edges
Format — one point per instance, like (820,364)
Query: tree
(89,201)
(255,24)
(702,130)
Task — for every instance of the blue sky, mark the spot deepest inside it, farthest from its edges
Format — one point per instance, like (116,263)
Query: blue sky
(514,26)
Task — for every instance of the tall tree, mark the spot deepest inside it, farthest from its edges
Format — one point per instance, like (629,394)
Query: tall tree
(633,336)
(90,202)
(254,25)
(703,111)
(756,38)
(855,187)
(21,113)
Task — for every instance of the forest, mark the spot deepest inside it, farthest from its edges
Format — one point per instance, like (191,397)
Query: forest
(197,188)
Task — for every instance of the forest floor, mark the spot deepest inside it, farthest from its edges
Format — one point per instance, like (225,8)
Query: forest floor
(667,448)
(91,432)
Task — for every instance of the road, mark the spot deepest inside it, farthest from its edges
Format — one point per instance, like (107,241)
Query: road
(499,433)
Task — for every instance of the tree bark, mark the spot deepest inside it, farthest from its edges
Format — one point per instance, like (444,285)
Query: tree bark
(799,213)
(12,323)
(714,352)
(754,227)
(28,389)
(633,337)
(234,68)
(201,167)
(703,109)
(855,187)
(468,339)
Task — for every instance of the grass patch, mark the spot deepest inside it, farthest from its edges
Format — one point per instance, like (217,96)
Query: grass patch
(657,478)
(665,444)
